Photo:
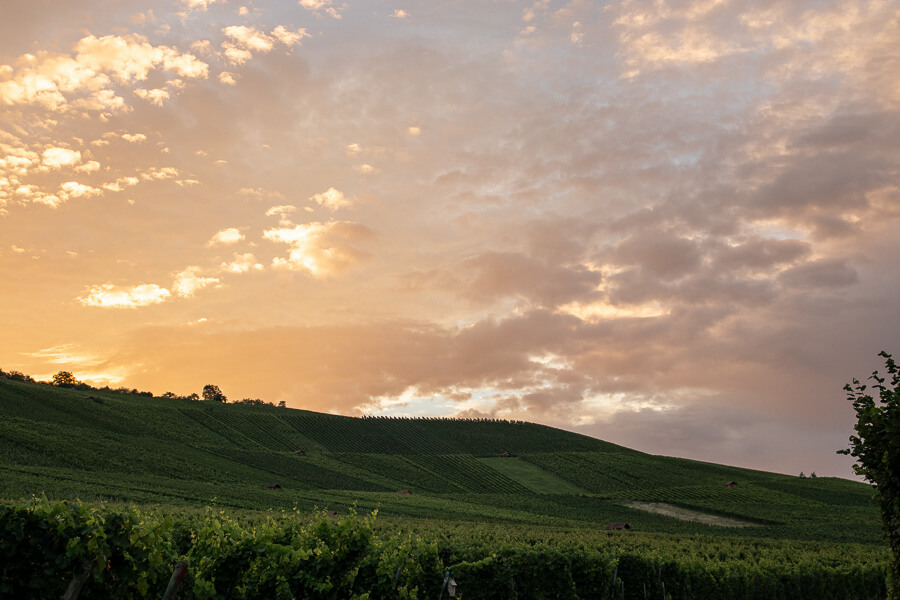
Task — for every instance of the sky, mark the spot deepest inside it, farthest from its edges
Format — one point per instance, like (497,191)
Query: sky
(672,225)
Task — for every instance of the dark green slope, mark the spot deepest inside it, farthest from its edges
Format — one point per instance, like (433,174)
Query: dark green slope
(94,445)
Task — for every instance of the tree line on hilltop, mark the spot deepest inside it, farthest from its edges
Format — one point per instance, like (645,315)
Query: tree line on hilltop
(65,379)
(210,393)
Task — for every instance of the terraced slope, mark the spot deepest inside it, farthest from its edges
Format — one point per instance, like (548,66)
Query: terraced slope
(91,445)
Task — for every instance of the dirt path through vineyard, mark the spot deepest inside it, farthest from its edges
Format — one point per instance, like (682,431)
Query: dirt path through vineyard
(686,514)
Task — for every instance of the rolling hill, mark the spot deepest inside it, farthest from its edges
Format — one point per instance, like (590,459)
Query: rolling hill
(118,447)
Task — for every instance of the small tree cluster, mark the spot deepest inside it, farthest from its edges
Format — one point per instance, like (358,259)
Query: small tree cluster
(212,393)
(17,376)
(254,402)
(65,379)
(174,396)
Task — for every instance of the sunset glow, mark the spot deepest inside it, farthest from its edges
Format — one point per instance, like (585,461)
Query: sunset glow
(673,225)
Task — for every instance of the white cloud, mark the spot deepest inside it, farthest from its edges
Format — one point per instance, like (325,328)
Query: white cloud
(399,13)
(227,78)
(156,96)
(237,56)
(120,184)
(88,167)
(282,212)
(73,189)
(414,131)
(134,137)
(331,198)
(242,263)
(18,161)
(60,82)
(51,200)
(107,295)
(365,169)
(56,158)
(160,173)
(261,194)
(189,282)
(249,38)
(130,58)
(320,249)
(201,5)
(289,38)
(323,5)
(227,236)
(202,47)
(243,41)
(577,35)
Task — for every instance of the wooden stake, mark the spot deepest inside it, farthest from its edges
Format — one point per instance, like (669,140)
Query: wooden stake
(176,579)
(79,581)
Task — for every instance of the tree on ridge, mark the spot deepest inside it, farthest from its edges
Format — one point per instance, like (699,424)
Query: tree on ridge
(212,393)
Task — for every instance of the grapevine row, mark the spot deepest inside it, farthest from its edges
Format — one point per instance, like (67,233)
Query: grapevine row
(127,553)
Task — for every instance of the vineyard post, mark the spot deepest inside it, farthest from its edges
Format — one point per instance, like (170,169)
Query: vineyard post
(176,579)
(444,584)
(79,580)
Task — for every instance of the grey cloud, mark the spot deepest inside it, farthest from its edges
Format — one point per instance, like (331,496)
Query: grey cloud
(758,253)
(496,275)
(721,430)
(825,181)
(559,240)
(825,273)
(660,253)
(844,130)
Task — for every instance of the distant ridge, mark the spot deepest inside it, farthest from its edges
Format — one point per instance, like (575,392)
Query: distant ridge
(121,447)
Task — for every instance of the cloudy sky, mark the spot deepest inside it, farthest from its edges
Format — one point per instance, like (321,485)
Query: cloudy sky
(674,225)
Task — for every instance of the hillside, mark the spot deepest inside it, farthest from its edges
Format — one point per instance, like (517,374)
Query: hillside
(118,447)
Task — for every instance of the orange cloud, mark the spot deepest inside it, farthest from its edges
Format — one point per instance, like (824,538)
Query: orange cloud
(321,249)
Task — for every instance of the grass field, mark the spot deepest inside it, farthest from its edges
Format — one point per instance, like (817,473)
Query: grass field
(120,447)
(531,476)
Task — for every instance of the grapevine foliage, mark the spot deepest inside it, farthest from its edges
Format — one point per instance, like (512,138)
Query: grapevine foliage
(130,554)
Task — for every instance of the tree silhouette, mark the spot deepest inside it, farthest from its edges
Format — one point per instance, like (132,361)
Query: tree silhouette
(212,393)
(65,379)
(876,448)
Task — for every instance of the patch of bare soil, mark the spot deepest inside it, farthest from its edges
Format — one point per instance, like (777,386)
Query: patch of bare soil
(686,514)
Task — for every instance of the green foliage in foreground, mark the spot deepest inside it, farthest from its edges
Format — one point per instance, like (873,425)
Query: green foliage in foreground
(877,450)
(130,553)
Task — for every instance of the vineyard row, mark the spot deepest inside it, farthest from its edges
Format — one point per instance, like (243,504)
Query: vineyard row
(127,553)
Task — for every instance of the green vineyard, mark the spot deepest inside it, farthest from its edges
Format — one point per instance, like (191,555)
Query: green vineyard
(260,502)
(130,553)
